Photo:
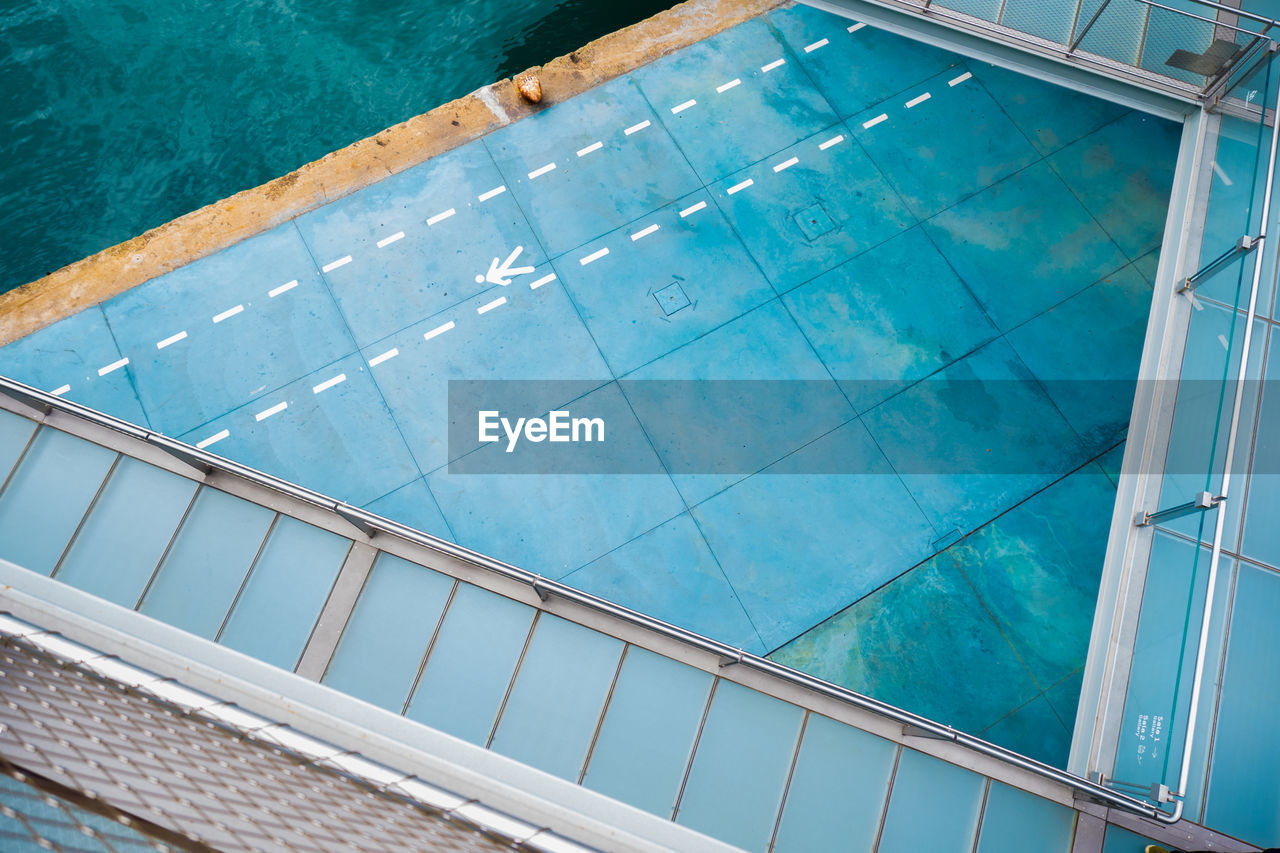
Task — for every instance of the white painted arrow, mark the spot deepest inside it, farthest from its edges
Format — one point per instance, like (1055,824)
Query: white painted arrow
(502,273)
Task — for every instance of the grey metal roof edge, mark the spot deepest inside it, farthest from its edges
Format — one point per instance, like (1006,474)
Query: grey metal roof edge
(374,744)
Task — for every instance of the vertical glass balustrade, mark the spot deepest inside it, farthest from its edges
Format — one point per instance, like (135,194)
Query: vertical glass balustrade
(381,648)
(471,664)
(282,598)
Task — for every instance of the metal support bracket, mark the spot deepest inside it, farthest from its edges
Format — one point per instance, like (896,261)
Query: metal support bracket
(1201,502)
(1243,246)
(30,400)
(346,511)
(1157,792)
(730,660)
(179,452)
(543,592)
(910,730)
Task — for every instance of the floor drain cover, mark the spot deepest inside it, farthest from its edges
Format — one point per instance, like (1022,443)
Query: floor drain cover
(672,298)
(814,222)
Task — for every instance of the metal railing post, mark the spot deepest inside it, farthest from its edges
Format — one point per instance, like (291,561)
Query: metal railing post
(1088,26)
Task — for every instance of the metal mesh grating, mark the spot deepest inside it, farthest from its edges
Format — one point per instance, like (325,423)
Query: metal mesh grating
(204,781)
(32,820)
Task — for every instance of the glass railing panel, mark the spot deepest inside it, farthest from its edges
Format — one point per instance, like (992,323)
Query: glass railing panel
(1014,821)
(1183,47)
(471,664)
(195,585)
(285,592)
(126,534)
(647,736)
(1052,21)
(15,432)
(558,697)
(1234,195)
(1202,414)
(740,767)
(1202,737)
(1261,537)
(838,789)
(1244,781)
(47,497)
(1117,33)
(988,10)
(381,648)
(1153,728)
(934,806)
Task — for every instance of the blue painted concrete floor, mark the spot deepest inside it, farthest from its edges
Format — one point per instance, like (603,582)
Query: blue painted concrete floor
(835,204)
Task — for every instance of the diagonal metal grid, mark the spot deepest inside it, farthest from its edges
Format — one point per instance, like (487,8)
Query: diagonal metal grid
(31,819)
(211,784)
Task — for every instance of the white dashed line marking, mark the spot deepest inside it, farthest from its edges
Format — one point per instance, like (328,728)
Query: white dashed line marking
(274,410)
(817,44)
(329,383)
(489,306)
(835,140)
(694,209)
(542,170)
(595,146)
(60,390)
(873,122)
(955,81)
(1217,170)
(546,279)
(855,28)
(724,87)
(387,241)
(594,256)
(229,313)
(786,164)
(636,128)
(115,365)
(679,108)
(213,439)
(777,63)
(644,232)
(920,99)
(441,216)
(491,193)
(1222,339)
(333,265)
(742,186)
(438,330)
(386,356)
(284,288)
(172,339)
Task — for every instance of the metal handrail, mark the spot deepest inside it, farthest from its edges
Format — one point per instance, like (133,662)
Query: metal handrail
(1232,10)
(1237,405)
(371,524)
(996,31)
(1213,21)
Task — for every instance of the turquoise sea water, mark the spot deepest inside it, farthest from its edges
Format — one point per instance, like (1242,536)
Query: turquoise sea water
(119,115)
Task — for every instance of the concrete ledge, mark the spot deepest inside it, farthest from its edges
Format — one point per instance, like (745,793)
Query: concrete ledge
(200,233)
